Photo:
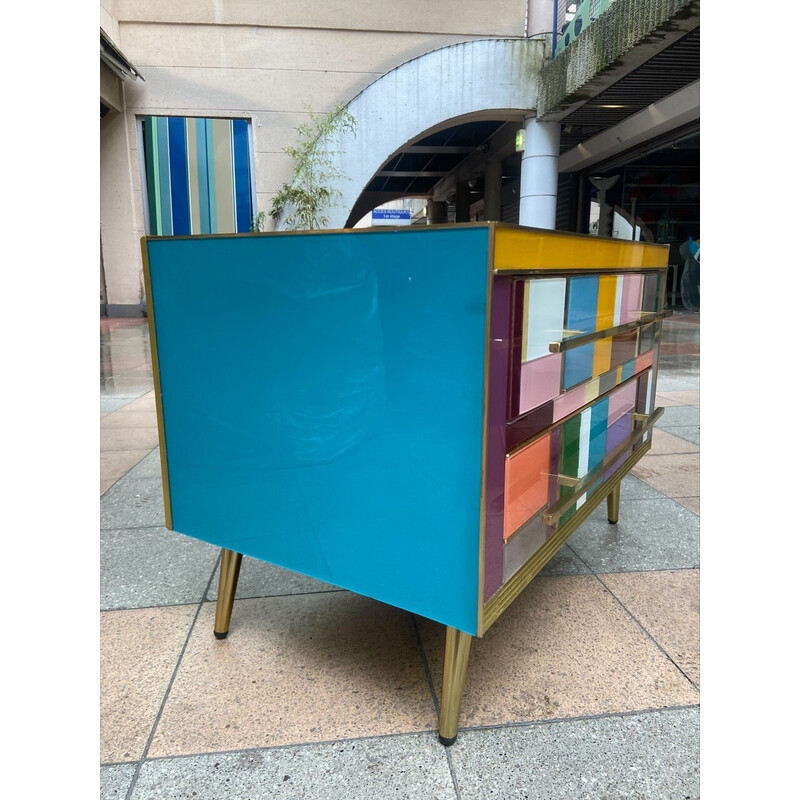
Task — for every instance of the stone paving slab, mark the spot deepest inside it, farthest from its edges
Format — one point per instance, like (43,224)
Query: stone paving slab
(650,535)
(147,467)
(409,767)
(646,756)
(294,670)
(133,504)
(142,567)
(115,464)
(115,781)
(139,650)
(673,475)
(564,648)
(667,605)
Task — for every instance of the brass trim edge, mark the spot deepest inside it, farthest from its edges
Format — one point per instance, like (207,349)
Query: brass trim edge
(509,591)
(592,336)
(151,324)
(487,368)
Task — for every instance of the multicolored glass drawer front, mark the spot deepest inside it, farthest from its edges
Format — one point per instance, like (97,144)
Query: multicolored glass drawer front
(581,356)
(591,444)
(551,311)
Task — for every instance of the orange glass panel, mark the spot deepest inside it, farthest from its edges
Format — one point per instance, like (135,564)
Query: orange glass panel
(527,480)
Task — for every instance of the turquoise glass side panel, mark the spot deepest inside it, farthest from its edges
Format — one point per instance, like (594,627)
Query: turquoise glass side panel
(323,405)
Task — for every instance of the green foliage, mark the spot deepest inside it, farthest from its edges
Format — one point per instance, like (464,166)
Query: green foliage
(303,202)
(258,222)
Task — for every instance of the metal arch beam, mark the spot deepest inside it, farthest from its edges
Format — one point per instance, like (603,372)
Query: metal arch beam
(501,146)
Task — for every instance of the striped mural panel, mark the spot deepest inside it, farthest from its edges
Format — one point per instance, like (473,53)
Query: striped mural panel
(197,175)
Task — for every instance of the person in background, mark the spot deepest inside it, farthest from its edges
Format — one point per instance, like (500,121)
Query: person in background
(690,279)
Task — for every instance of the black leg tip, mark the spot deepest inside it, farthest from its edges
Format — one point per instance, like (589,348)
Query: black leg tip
(612,522)
(447,740)
(220,635)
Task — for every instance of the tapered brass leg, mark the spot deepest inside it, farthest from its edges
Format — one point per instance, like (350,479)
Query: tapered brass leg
(456,653)
(613,504)
(228,578)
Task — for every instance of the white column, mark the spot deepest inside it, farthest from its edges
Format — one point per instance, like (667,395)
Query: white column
(540,17)
(539,175)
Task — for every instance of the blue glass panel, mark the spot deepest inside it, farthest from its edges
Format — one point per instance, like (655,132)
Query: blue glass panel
(628,369)
(578,365)
(581,316)
(582,303)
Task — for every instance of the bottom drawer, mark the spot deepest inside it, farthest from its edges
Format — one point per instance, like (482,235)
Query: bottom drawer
(549,478)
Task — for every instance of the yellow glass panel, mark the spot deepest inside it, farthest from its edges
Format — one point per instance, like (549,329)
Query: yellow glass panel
(592,389)
(519,249)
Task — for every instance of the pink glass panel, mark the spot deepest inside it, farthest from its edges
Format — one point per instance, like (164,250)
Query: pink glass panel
(621,401)
(540,381)
(568,402)
(631,298)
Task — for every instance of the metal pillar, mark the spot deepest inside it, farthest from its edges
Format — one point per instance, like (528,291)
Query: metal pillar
(492,183)
(437,212)
(462,202)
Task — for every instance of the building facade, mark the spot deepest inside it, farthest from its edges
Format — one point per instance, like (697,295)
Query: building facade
(540,112)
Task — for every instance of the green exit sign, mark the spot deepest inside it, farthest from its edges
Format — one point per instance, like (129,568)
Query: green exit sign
(519,142)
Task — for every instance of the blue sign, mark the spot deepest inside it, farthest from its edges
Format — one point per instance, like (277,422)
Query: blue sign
(391,216)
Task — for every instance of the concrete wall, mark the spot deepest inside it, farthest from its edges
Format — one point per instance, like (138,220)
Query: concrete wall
(270,62)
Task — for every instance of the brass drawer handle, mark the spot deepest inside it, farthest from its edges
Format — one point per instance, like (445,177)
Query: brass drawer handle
(551,514)
(592,336)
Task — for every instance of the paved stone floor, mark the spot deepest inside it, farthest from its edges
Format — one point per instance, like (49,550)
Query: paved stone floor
(587,687)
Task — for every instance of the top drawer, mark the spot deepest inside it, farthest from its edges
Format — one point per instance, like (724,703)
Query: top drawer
(549,311)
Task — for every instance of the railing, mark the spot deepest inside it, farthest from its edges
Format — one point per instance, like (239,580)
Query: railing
(571,18)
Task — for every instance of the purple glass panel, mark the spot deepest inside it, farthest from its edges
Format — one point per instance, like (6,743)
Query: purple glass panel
(555,455)
(515,346)
(621,401)
(616,434)
(527,426)
(501,335)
